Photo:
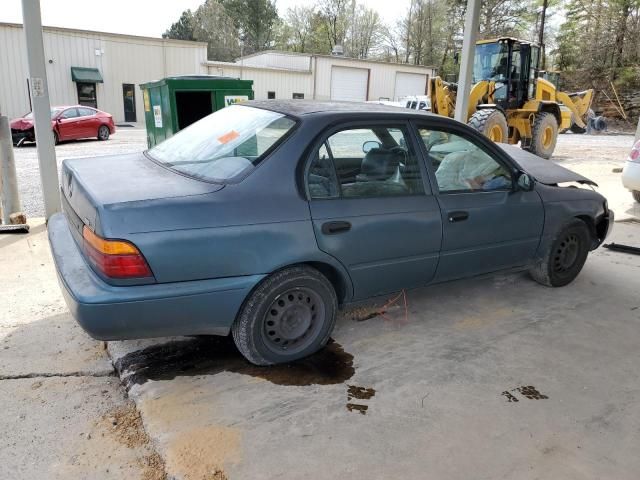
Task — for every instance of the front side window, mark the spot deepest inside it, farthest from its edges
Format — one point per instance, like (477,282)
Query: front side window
(70,113)
(365,162)
(54,112)
(462,166)
(225,144)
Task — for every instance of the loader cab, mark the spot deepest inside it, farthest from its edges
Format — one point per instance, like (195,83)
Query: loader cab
(551,76)
(512,65)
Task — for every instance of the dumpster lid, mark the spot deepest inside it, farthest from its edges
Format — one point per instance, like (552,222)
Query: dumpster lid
(193,77)
(84,74)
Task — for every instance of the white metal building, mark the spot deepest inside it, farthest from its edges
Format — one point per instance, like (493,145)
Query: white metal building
(105,70)
(325,77)
(93,68)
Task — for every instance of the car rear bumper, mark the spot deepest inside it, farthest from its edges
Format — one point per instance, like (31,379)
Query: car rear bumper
(631,176)
(107,312)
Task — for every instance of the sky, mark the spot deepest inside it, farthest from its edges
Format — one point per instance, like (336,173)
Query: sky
(149,18)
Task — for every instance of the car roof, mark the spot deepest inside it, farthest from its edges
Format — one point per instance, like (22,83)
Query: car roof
(300,108)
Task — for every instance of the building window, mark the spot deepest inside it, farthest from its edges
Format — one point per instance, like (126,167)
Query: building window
(87,94)
(271,95)
(298,96)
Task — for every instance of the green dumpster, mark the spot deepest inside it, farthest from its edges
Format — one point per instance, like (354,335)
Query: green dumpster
(174,103)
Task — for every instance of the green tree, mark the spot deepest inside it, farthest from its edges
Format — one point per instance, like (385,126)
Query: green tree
(255,20)
(182,29)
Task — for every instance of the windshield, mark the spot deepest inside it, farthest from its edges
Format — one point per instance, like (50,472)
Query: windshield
(223,145)
(491,62)
(54,112)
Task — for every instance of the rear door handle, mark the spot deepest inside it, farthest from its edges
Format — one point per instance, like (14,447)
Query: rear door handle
(331,228)
(458,216)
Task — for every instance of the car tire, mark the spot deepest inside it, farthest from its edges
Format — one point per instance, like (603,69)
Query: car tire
(288,316)
(491,123)
(56,138)
(544,135)
(565,257)
(636,195)
(103,133)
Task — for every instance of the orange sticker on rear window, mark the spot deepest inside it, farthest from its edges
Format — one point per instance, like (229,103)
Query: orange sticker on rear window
(227,137)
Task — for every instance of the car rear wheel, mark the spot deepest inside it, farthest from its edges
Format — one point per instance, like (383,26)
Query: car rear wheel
(290,315)
(636,195)
(103,133)
(565,257)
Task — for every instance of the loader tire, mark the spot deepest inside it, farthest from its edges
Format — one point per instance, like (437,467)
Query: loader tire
(491,123)
(576,129)
(545,135)
(579,130)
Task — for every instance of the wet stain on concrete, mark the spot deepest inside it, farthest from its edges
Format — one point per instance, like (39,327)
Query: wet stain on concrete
(510,398)
(212,355)
(528,391)
(354,407)
(360,393)
(531,393)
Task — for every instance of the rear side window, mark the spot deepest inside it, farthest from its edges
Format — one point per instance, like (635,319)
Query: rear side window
(86,112)
(225,144)
(365,163)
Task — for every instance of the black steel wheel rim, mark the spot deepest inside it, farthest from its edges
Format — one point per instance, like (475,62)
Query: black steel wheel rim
(292,321)
(566,253)
(104,133)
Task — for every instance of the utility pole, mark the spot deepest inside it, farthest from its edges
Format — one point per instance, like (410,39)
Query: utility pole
(471,24)
(32,23)
(545,4)
(9,197)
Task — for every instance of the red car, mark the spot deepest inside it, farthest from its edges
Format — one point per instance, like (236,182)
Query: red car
(67,123)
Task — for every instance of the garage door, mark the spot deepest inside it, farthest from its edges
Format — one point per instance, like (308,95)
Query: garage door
(349,84)
(410,84)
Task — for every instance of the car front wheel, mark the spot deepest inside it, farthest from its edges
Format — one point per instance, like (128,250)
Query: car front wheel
(290,315)
(565,257)
(103,133)
(636,195)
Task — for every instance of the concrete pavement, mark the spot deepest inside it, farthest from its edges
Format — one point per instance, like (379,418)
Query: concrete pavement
(63,412)
(490,378)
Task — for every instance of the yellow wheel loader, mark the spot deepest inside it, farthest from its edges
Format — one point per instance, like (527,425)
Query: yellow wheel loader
(509,103)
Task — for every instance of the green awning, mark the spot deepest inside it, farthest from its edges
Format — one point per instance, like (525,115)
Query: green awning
(88,75)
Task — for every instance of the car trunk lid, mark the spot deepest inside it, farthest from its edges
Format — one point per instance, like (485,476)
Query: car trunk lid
(89,185)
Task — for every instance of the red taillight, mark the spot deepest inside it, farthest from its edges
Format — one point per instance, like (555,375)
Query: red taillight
(634,155)
(114,258)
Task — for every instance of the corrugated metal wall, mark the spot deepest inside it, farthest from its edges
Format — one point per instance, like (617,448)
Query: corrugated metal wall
(283,83)
(271,59)
(120,59)
(382,78)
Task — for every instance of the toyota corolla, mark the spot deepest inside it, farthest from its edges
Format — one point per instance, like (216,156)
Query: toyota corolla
(262,219)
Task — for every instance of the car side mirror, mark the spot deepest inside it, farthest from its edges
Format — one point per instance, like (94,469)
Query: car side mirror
(525,182)
(370,145)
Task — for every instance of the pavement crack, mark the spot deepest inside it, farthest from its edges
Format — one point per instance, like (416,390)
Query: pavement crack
(58,375)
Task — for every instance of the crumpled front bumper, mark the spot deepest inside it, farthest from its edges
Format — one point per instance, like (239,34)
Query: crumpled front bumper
(25,135)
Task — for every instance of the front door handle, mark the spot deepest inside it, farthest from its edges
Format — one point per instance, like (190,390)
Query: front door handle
(458,216)
(331,228)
